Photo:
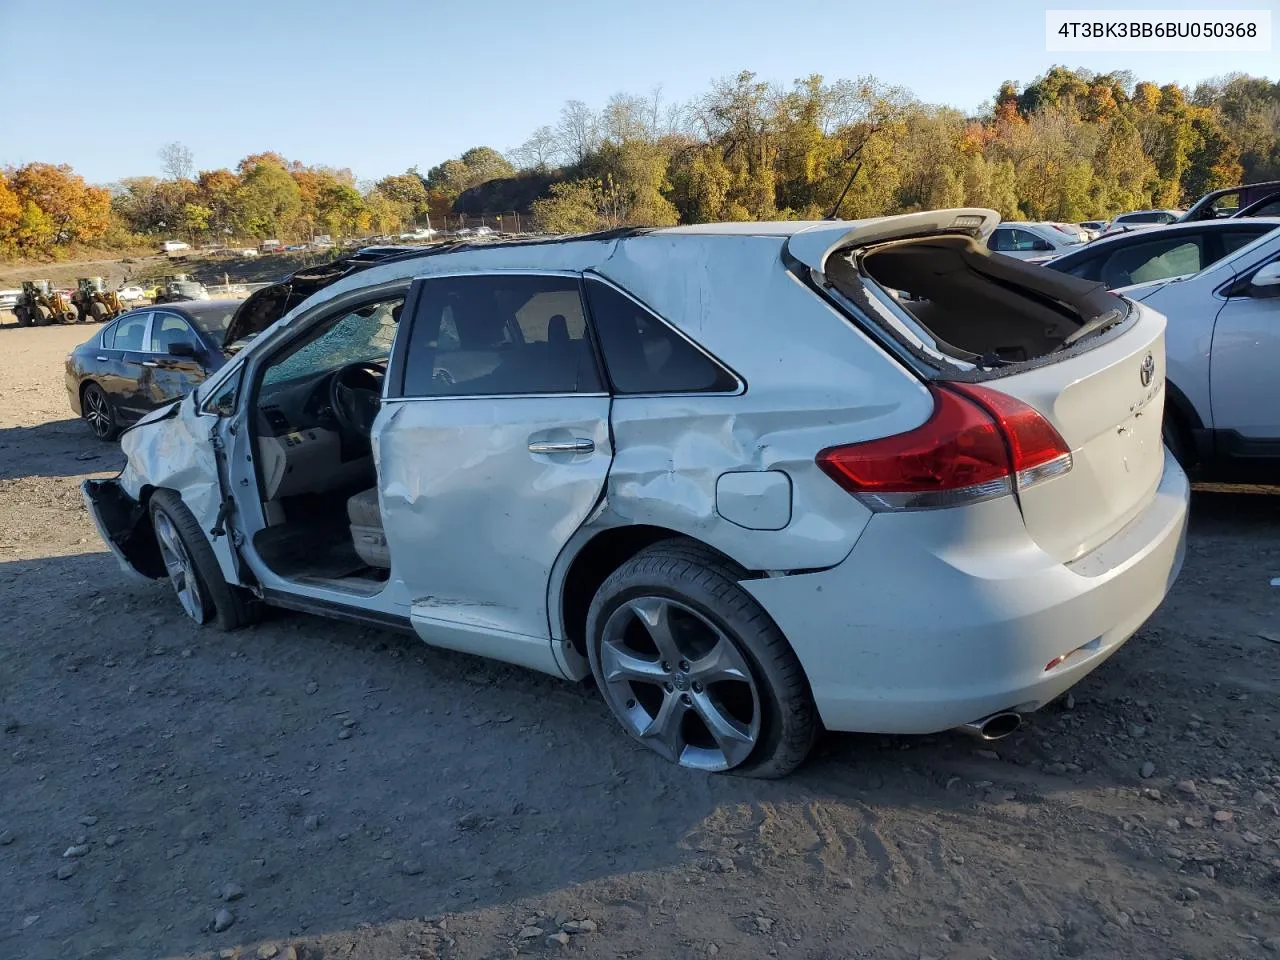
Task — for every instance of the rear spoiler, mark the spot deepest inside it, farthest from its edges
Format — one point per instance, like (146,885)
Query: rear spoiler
(815,244)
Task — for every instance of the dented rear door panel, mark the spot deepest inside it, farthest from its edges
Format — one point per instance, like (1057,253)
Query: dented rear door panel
(475,515)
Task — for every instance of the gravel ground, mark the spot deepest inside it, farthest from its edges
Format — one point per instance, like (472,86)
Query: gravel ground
(311,789)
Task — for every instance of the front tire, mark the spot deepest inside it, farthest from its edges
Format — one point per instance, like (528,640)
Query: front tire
(95,408)
(202,590)
(692,666)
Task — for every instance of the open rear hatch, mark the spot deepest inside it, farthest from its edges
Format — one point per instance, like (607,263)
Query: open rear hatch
(1088,362)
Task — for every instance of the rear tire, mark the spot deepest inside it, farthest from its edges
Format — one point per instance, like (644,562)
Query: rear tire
(97,312)
(192,566)
(95,408)
(22,316)
(724,675)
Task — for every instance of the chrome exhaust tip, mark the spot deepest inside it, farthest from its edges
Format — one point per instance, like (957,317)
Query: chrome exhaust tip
(995,727)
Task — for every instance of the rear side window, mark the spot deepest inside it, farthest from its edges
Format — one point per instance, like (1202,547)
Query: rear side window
(500,334)
(644,355)
(129,333)
(1001,240)
(170,328)
(1154,260)
(1233,240)
(1009,239)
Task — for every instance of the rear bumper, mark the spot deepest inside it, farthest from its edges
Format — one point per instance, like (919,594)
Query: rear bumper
(124,526)
(73,393)
(934,621)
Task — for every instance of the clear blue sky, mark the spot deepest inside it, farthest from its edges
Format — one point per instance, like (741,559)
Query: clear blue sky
(381,85)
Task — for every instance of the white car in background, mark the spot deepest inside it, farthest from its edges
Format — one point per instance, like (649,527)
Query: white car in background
(1035,242)
(1140,219)
(9,299)
(1222,415)
(131,292)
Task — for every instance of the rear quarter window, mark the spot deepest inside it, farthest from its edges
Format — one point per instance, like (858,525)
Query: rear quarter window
(645,355)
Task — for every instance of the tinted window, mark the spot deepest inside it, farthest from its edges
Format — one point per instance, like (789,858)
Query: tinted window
(1000,239)
(1269,209)
(168,328)
(1086,268)
(129,333)
(643,354)
(500,334)
(1233,240)
(1154,260)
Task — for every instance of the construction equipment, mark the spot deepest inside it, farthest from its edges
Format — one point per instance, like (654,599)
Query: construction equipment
(180,286)
(40,304)
(95,302)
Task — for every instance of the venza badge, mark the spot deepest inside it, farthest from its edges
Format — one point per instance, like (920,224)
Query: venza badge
(1148,370)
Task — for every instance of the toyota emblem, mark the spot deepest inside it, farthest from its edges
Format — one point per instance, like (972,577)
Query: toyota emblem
(1148,370)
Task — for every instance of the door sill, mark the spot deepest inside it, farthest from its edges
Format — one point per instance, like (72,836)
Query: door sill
(337,611)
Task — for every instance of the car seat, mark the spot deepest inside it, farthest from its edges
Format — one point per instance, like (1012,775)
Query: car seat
(367,534)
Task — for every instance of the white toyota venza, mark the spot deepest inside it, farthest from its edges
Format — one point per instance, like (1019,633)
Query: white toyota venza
(755,479)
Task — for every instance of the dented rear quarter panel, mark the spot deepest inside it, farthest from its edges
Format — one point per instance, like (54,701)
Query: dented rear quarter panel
(810,380)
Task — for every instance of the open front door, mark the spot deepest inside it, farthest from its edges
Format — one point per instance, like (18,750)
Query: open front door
(493,453)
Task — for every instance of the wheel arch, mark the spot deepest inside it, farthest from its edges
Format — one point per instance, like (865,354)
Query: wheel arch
(1185,409)
(599,554)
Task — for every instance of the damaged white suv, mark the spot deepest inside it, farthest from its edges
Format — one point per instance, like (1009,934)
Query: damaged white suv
(753,478)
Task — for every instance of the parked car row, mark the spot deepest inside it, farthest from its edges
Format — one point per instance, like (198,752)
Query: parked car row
(1218,282)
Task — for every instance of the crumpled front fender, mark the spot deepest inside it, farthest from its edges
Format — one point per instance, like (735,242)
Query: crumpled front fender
(170,449)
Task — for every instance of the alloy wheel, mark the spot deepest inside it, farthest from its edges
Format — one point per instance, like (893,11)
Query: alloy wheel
(97,413)
(680,684)
(182,572)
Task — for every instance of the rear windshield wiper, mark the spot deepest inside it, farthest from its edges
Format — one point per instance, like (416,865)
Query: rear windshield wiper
(1097,325)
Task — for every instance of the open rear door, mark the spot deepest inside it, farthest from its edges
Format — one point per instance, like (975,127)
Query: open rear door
(813,246)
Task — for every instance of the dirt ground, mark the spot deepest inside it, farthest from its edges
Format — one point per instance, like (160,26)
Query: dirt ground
(346,793)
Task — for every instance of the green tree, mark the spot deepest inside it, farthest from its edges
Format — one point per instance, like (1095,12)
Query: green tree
(195,220)
(269,201)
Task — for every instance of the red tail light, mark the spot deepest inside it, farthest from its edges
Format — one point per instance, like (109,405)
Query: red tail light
(978,444)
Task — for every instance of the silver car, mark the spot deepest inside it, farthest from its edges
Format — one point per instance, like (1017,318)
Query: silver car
(1222,418)
(719,469)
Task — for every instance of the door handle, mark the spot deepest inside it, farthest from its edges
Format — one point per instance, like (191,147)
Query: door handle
(562,446)
(150,363)
(101,359)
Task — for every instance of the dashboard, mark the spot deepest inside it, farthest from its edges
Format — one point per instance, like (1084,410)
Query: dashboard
(300,447)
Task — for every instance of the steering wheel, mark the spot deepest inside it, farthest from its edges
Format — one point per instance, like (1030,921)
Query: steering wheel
(355,392)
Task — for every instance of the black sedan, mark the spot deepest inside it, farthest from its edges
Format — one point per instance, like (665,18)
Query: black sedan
(144,359)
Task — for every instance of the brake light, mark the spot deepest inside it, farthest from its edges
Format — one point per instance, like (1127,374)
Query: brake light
(979,444)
